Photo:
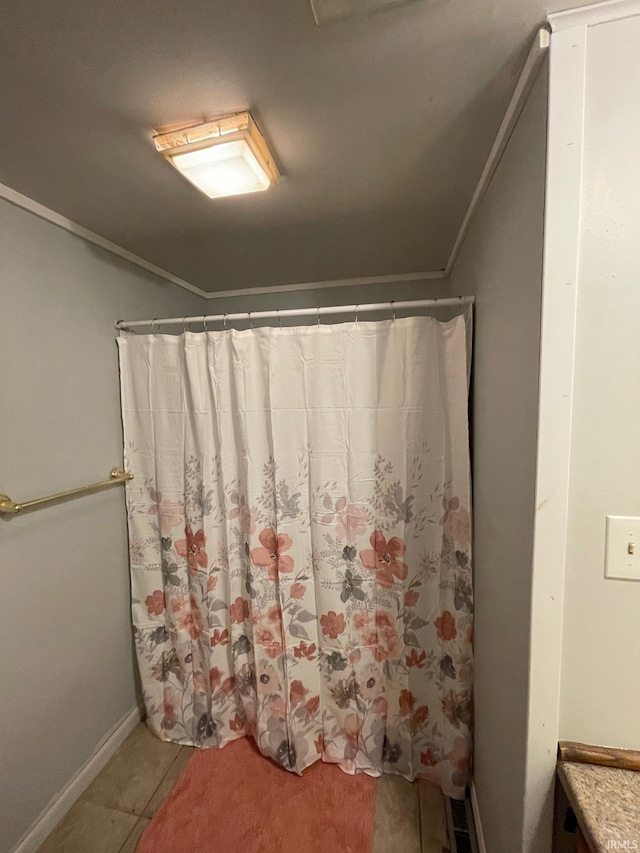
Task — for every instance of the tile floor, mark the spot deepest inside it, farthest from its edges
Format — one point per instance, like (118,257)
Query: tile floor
(113,812)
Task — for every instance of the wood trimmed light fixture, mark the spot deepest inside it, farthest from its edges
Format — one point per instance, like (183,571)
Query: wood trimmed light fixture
(226,156)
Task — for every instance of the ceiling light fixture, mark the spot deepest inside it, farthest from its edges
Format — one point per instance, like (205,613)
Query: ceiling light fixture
(227,156)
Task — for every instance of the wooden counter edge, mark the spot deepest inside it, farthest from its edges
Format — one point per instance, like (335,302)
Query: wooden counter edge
(606,756)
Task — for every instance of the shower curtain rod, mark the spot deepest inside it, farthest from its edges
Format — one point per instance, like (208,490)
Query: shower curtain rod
(448,301)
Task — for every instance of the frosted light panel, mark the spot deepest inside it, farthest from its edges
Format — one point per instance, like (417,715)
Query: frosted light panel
(228,168)
(328,11)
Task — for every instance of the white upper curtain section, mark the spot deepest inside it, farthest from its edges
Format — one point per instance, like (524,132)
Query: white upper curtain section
(300,541)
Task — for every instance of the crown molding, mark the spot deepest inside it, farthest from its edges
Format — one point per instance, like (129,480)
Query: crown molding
(526,79)
(42,212)
(54,218)
(523,87)
(398,278)
(590,16)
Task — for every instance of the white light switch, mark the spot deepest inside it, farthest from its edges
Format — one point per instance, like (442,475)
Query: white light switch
(622,550)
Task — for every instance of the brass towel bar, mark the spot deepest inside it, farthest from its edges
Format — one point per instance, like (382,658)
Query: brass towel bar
(118,475)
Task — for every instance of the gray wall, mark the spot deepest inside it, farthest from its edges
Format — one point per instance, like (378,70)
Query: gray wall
(501,262)
(68,673)
(67,669)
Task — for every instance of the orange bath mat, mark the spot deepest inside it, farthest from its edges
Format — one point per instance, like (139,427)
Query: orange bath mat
(234,800)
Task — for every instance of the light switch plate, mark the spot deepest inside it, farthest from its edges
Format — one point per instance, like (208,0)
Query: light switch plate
(622,550)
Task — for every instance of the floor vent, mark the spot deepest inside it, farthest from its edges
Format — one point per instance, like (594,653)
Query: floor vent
(462,836)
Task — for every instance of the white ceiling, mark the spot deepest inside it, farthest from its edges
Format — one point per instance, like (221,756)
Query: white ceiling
(380,126)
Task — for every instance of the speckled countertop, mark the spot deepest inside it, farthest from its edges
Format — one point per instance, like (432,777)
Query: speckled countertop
(606,802)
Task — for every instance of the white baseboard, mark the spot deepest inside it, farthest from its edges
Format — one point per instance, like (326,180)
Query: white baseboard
(59,805)
(476,818)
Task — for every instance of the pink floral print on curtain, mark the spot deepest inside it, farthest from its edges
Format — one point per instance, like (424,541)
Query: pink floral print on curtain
(300,542)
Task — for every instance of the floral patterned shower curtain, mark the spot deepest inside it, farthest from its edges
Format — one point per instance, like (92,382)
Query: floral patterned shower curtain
(300,542)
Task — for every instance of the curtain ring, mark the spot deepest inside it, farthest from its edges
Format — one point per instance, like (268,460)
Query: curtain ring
(357,306)
(204,323)
(461,305)
(187,326)
(318,315)
(225,322)
(154,328)
(393,309)
(250,319)
(279,317)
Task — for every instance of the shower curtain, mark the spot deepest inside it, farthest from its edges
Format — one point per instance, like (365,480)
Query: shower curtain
(300,536)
